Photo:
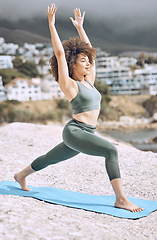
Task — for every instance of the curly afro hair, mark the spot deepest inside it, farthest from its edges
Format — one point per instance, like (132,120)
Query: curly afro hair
(72,48)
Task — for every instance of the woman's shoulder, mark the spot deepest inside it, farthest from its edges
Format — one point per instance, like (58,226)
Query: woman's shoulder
(89,80)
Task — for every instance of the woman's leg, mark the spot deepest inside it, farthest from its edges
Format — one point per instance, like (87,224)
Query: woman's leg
(86,142)
(59,153)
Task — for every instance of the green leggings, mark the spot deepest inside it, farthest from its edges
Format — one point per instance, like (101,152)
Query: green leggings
(79,137)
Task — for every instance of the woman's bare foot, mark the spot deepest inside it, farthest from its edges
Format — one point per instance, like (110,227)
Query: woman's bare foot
(21,180)
(127,205)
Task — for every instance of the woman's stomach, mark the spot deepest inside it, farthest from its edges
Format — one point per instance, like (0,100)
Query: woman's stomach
(89,117)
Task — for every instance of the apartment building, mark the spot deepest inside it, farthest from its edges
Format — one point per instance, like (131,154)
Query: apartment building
(5,62)
(116,73)
(3,96)
(23,89)
(110,75)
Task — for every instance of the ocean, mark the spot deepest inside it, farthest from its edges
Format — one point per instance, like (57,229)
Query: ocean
(140,138)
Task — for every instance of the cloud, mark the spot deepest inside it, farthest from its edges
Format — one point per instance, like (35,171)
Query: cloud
(140,11)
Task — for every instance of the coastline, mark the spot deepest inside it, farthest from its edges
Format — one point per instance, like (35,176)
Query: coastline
(141,133)
(127,123)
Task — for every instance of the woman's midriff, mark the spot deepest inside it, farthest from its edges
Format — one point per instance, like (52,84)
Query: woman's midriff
(88,117)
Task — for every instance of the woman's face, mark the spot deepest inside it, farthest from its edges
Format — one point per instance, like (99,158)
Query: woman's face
(82,66)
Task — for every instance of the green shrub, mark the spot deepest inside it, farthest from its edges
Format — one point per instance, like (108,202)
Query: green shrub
(14,102)
(47,116)
(62,103)
(10,74)
(20,116)
(151,105)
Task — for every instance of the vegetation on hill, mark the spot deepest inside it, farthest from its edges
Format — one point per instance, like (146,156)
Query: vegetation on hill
(10,74)
(36,111)
(58,110)
(151,105)
(24,70)
(143,58)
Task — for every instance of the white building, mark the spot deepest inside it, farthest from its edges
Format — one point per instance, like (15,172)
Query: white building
(10,48)
(50,88)
(30,50)
(101,53)
(110,75)
(47,51)
(107,62)
(116,73)
(2,41)
(30,47)
(127,61)
(144,81)
(39,45)
(21,51)
(43,69)
(148,78)
(22,89)
(5,62)
(3,96)
(129,86)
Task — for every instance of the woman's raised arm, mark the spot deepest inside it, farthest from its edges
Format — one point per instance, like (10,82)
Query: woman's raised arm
(63,71)
(56,42)
(78,23)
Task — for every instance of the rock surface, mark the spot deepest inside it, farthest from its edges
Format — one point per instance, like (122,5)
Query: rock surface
(28,218)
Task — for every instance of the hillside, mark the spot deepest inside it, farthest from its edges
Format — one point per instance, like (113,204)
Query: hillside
(59,110)
(102,34)
(21,36)
(130,105)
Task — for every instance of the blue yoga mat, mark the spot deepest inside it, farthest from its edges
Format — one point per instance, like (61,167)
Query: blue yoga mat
(95,203)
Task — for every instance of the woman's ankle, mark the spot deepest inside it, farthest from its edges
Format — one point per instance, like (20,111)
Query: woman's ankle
(25,172)
(121,199)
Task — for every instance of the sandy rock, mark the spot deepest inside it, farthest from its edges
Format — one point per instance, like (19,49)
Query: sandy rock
(154,117)
(27,218)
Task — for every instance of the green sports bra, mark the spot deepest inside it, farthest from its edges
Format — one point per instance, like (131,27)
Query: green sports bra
(86,99)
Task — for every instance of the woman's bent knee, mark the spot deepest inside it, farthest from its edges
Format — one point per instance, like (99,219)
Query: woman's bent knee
(115,153)
(112,154)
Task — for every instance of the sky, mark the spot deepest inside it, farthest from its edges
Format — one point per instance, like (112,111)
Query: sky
(141,12)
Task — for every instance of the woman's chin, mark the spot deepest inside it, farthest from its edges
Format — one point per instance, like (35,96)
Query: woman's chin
(87,73)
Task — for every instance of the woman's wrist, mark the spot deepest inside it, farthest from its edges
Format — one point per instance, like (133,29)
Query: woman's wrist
(51,25)
(79,27)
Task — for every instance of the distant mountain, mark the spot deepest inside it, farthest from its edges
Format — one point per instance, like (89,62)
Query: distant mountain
(21,36)
(101,34)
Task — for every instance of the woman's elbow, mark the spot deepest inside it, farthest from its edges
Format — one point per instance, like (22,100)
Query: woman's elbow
(59,53)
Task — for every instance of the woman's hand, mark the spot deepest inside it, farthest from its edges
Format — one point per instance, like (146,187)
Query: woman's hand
(78,22)
(51,14)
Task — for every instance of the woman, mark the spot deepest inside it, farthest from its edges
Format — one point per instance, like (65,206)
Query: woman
(73,66)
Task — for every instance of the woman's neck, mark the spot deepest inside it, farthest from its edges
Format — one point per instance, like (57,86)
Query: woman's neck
(78,77)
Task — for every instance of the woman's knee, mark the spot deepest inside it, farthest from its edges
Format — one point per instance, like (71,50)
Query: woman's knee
(112,154)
